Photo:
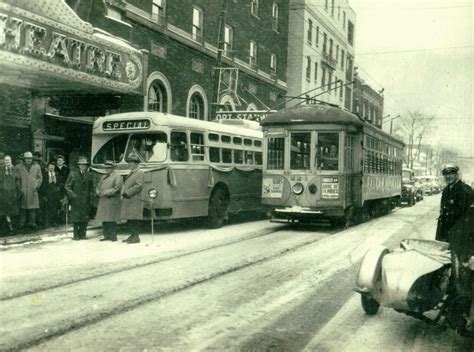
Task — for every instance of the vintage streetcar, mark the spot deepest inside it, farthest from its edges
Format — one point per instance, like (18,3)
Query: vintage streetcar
(324,162)
(200,168)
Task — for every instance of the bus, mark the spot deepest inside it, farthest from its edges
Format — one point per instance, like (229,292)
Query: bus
(200,168)
(323,162)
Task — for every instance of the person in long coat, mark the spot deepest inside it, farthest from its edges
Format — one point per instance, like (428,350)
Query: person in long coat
(132,203)
(30,180)
(9,193)
(108,209)
(79,188)
(62,171)
(50,196)
(455,202)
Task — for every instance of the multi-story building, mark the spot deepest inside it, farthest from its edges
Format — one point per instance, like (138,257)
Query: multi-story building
(69,61)
(321,51)
(367,102)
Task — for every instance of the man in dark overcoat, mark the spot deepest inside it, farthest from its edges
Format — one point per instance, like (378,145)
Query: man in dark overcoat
(62,172)
(51,196)
(108,209)
(9,194)
(132,203)
(79,188)
(31,179)
(455,202)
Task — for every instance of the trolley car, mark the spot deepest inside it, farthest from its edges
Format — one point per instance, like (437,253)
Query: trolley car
(324,162)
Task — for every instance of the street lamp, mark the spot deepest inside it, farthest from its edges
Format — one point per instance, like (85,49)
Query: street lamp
(152,195)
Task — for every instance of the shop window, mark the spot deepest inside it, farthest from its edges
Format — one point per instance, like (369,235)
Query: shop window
(327,151)
(197,146)
(157,97)
(179,146)
(300,151)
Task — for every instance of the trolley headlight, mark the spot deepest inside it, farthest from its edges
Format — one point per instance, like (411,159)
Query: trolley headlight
(297,188)
(312,188)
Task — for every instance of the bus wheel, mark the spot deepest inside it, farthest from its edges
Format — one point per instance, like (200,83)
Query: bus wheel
(218,205)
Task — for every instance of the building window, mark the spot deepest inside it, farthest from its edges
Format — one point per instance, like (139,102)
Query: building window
(197,24)
(254,7)
(253,54)
(337,54)
(158,11)
(157,97)
(275,17)
(196,107)
(323,78)
(350,32)
(341,88)
(315,72)
(310,32)
(343,54)
(330,48)
(338,12)
(344,19)
(329,79)
(332,8)
(273,63)
(317,35)
(308,68)
(114,13)
(228,40)
(325,43)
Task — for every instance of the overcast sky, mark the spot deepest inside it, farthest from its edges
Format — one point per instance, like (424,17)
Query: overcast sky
(421,52)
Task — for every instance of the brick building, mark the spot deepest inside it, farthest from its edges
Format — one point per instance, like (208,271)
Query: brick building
(321,50)
(367,102)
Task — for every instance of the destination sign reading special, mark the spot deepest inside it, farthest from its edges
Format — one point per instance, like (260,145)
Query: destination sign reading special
(125,125)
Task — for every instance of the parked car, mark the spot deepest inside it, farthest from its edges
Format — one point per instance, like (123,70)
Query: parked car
(429,184)
(410,192)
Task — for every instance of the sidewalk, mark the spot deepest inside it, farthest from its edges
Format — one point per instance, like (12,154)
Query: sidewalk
(48,235)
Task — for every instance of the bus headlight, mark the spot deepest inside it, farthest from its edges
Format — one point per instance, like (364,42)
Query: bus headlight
(297,188)
(312,188)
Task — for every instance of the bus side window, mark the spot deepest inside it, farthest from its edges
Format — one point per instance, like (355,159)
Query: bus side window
(238,156)
(227,156)
(179,146)
(248,157)
(197,146)
(258,158)
(214,155)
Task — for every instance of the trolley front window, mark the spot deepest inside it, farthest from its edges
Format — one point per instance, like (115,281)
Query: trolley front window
(150,147)
(327,151)
(114,150)
(276,153)
(300,151)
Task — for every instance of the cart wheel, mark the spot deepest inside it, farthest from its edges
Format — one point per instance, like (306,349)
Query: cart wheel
(370,305)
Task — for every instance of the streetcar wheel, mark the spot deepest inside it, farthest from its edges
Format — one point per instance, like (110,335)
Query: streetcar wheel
(369,305)
(218,206)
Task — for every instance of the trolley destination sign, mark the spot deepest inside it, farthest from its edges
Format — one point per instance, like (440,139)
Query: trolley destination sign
(125,125)
(253,115)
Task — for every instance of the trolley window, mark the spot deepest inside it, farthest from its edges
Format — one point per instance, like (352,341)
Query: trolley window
(114,150)
(179,146)
(300,151)
(150,147)
(276,153)
(327,151)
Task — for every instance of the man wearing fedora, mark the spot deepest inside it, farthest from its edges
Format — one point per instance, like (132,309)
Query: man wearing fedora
(132,203)
(31,178)
(79,188)
(108,210)
(455,201)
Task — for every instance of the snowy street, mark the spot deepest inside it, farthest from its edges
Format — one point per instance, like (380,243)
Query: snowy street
(250,286)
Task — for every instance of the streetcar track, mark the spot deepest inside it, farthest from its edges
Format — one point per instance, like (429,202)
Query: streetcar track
(137,266)
(96,317)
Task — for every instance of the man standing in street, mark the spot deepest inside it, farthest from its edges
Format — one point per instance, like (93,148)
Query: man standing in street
(62,172)
(455,202)
(132,203)
(9,193)
(30,181)
(50,195)
(108,210)
(79,190)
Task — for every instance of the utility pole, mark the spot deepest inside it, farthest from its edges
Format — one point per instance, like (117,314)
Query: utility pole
(220,49)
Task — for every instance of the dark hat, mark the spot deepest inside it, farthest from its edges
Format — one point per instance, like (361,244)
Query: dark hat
(82,161)
(109,163)
(60,156)
(133,158)
(450,169)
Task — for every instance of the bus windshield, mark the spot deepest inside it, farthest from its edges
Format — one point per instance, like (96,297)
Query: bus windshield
(113,150)
(150,147)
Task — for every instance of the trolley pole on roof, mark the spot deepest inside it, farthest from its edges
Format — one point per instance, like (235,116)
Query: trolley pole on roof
(220,49)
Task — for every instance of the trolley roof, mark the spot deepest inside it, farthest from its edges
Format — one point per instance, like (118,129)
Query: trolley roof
(320,114)
(242,128)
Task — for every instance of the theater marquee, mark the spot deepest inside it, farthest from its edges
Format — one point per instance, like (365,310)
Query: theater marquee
(49,40)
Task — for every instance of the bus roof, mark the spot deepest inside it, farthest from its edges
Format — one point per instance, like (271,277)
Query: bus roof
(169,120)
(321,114)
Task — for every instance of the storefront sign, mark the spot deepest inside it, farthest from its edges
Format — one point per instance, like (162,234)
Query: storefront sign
(123,125)
(52,48)
(242,115)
